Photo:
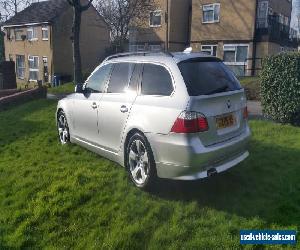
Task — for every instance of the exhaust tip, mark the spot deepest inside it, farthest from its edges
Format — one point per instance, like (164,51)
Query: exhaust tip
(211,172)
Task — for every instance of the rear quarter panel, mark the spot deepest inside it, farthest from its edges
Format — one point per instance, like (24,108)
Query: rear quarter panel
(157,114)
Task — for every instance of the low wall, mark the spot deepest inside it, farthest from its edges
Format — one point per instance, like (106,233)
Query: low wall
(21,97)
(6,92)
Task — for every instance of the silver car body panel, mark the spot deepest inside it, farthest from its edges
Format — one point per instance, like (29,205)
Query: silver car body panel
(104,128)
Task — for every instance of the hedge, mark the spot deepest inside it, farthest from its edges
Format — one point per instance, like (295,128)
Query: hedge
(280,88)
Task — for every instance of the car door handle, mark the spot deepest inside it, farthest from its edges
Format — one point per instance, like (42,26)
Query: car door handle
(94,105)
(124,109)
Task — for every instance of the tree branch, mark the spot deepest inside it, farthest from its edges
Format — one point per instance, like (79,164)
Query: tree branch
(87,6)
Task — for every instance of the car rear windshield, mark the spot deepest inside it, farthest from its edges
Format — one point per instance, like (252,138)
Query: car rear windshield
(207,76)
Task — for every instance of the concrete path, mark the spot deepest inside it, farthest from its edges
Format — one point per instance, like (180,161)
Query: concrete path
(255,109)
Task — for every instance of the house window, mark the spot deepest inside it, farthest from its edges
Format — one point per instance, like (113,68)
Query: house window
(209,49)
(235,56)
(20,65)
(32,34)
(18,34)
(211,13)
(155,18)
(33,62)
(45,33)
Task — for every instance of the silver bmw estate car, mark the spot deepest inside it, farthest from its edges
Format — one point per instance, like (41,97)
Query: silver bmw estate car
(179,116)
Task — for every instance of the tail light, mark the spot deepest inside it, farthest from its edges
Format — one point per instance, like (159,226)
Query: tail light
(190,122)
(245,113)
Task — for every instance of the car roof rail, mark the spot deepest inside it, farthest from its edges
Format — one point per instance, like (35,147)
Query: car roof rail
(140,53)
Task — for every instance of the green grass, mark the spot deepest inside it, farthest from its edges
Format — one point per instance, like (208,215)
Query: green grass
(66,197)
(66,88)
(250,81)
(252,87)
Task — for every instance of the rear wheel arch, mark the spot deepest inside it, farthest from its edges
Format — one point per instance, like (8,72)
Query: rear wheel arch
(127,139)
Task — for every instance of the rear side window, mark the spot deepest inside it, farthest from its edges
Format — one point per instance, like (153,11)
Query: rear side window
(156,81)
(120,77)
(97,81)
(208,77)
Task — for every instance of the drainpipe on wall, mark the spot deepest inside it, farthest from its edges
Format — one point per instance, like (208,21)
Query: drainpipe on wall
(254,41)
(167,28)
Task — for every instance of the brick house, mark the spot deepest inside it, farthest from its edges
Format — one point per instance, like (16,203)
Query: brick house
(168,27)
(39,40)
(240,32)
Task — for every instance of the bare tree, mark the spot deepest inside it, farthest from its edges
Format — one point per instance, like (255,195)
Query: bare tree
(120,15)
(12,7)
(78,8)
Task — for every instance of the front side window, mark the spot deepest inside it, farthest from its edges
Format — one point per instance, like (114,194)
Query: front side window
(120,77)
(207,77)
(156,80)
(209,49)
(155,18)
(45,33)
(32,34)
(33,62)
(211,13)
(98,79)
(20,65)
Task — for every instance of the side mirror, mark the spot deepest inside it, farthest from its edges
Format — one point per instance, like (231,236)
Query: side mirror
(79,88)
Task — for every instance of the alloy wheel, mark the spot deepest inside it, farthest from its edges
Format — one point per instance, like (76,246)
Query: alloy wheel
(139,162)
(63,129)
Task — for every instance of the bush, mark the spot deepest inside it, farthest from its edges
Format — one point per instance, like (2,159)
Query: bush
(280,88)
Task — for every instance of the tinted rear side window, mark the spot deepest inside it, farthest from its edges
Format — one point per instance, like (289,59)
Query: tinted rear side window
(208,77)
(156,81)
(120,77)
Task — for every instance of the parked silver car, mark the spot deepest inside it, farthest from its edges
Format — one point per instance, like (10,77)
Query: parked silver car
(179,116)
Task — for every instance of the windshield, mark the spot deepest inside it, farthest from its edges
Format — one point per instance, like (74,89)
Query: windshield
(207,77)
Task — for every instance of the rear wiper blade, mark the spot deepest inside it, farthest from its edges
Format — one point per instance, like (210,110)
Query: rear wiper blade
(218,90)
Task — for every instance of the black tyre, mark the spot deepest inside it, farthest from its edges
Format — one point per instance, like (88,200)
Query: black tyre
(140,162)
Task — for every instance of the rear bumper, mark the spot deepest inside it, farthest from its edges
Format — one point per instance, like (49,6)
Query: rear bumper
(183,157)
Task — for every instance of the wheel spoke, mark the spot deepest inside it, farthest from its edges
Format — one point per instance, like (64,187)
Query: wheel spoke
(135,172)
(61,121)
(65,136)
(145,158)
(143,174)
(138,146)
(132,155)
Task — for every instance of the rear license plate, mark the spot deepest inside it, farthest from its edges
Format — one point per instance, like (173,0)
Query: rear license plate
(226,121)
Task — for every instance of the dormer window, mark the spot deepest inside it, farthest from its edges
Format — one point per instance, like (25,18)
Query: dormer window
(45,33)
(32,34)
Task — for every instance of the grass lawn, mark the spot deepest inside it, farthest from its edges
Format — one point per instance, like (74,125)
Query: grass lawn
(66,197)
(250,81)
(252,87)
(66,88)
